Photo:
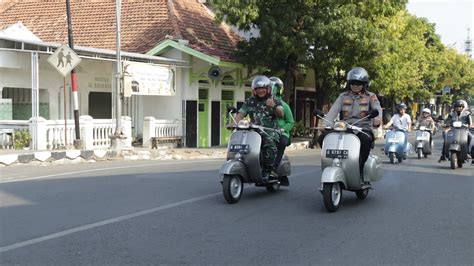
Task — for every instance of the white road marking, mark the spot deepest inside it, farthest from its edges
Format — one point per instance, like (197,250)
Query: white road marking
(101,223)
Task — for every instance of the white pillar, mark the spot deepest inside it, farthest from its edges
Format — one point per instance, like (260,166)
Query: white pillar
(148,130)
(87,131)
(127,130)
(37,129)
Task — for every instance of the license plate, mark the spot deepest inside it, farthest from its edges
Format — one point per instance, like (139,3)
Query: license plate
(341,154)
(239,148)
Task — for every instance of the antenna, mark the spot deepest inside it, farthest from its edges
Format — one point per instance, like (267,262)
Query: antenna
(468,45)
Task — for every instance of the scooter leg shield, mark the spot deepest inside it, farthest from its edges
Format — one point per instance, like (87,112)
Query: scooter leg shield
(234,167)
(333,174)
(455,147)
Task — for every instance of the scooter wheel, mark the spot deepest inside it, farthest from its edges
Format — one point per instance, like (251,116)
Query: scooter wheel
(454,160)
(232,188)
(362,194)
(332,194)
(392,156)
(420,153)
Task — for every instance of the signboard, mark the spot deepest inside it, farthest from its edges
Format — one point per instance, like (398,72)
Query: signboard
(64,60)
(149,79)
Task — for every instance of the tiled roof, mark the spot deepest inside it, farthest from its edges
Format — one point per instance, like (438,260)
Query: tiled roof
(144,24)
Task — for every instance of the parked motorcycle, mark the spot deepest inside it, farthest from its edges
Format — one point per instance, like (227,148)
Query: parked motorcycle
(340,163)
(423,143)
(455,144)
(396,145)
(243,162)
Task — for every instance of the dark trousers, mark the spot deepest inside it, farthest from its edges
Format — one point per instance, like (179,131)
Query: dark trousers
(365,144)
(281,149)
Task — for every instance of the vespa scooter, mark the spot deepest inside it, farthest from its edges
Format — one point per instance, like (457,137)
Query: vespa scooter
(423,143)
(243,162)
(455,144)
(340,163)
(396,145)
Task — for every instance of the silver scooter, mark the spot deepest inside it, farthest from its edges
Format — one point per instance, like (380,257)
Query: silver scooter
(423,143)
(243,162)
(456,144)
(340,163)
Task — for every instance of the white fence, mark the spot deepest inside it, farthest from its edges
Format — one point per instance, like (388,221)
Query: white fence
(160,128)
(54,134)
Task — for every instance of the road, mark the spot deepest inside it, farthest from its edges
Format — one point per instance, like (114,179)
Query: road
(173,212)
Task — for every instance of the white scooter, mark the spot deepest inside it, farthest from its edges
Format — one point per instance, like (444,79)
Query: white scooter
(340,163)
(423,143)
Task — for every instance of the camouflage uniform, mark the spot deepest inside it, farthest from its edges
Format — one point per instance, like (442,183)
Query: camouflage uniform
(261,114)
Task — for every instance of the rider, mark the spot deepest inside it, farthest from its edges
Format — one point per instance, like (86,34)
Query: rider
(286,123)
(264,110)
(353,105)
(459,113)
(401,120)
(426,120)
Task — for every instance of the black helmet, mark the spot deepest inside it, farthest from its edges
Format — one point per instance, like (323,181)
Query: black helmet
(262,82)
(459,103)
(277,88)
(400,107)
(358,75)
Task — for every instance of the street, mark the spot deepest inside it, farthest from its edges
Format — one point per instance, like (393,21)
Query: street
(173,212)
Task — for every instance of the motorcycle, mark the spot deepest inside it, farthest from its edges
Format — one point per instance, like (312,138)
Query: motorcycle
(423,143)
(243,162)
(396,145)
(340,163)
(455,144)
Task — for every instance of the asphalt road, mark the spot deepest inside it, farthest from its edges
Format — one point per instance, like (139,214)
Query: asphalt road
(159,212)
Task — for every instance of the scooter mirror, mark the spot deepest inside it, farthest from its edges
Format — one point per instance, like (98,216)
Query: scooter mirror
(373,113)
(318,112)
(231,109)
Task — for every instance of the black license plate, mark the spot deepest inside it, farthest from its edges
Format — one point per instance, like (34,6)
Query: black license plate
(239,148)
(341,154)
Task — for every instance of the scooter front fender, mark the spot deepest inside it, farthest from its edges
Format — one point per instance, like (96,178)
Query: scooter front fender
(332,174)
(419,145)
(392,148)
(455,147)
(234,167)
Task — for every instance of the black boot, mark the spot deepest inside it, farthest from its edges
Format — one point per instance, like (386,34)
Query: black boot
(442,158)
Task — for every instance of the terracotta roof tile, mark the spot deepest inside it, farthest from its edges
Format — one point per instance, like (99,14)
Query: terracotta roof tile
(144,24)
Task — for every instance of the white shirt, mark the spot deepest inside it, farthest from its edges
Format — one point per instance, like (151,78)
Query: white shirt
(400,122)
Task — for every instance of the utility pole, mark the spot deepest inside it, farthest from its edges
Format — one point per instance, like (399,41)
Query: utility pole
(77,141)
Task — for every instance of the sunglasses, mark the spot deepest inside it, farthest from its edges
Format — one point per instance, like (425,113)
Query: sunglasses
(356,83)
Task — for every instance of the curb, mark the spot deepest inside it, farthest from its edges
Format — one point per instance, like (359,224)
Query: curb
(78,156)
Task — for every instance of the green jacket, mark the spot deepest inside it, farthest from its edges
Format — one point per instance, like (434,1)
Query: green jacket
(286,122)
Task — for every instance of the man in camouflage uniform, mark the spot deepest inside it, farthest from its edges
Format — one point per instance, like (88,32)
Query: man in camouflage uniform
(354,104)
(264,110)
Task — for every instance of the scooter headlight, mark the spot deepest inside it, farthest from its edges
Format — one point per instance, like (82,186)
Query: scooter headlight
(340,126)
(457,124)
(243,124)
(422,128)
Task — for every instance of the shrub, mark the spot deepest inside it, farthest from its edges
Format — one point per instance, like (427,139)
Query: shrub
(22,139)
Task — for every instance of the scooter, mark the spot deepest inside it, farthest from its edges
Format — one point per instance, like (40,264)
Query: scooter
(396,145)
(455,144)
(340,163)
(243,162)
(423,143)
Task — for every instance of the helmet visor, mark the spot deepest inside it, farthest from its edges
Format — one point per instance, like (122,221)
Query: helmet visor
(356,82)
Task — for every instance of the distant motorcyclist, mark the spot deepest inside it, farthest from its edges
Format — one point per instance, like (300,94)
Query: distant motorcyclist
(354,104)
(264,110)
(427,121)
(286,123)
(459,113)
(400,120)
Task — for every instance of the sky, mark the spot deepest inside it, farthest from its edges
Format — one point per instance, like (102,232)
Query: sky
(452,18)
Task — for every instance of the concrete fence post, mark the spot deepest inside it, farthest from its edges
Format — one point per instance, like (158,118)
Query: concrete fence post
(88,131)
(148,130)
(127,130)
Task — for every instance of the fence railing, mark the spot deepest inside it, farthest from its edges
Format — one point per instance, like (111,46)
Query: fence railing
(54,134)
(160,128)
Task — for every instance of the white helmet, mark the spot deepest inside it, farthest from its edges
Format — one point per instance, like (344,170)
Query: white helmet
(426,110)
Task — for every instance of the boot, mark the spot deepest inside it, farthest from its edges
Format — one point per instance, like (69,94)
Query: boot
(442,158)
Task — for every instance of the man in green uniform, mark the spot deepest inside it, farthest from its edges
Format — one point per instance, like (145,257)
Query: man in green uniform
(286,123)
(264,110)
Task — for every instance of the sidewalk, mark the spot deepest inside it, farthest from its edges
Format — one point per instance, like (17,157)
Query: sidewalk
(30,157)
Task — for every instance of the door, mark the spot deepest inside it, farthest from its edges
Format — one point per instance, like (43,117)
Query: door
(203,118)
(227,99)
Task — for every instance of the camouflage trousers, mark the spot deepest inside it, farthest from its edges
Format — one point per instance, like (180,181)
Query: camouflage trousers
(269,149)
